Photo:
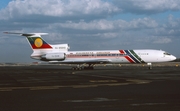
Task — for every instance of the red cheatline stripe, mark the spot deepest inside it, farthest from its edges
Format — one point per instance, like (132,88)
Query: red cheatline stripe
(129,59)
(121,51)
(44,46)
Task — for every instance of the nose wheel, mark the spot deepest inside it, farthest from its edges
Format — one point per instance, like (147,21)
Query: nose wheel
(150,65)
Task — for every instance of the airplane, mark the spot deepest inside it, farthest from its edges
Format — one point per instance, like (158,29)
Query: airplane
(60,54)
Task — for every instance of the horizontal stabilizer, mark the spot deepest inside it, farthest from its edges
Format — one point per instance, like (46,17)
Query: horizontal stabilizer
(27,34)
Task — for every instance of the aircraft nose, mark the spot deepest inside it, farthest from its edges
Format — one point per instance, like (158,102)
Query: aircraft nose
(173,58)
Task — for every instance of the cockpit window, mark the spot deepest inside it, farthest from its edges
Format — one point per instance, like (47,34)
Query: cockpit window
(165,53)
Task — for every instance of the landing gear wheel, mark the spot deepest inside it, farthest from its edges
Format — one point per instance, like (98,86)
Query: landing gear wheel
(150,66)
(77,68)
(80,67)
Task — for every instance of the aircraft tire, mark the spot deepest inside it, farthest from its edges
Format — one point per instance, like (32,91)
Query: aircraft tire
(73,68)
(77,68)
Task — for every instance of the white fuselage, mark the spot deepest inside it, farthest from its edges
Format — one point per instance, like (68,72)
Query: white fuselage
(116,57)
(109,56)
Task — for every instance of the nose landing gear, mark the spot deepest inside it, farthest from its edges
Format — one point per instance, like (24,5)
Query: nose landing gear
(150,65)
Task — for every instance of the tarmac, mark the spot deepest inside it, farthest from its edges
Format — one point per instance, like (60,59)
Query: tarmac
(106,88)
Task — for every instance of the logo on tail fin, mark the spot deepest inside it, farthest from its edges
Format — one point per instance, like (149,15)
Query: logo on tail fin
(38,42)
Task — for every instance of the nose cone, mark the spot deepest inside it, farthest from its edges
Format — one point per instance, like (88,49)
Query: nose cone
(173,58)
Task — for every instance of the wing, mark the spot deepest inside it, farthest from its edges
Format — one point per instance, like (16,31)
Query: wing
(91,61)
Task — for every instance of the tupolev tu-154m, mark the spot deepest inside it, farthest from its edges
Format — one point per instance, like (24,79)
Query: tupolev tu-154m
(60,53)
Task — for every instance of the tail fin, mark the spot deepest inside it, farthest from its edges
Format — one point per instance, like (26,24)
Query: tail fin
(35,40)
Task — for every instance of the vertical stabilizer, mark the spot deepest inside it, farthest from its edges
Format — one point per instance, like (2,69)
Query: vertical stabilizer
(36,42)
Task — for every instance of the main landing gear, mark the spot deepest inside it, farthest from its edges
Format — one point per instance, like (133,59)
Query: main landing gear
(90,67)
(80,67)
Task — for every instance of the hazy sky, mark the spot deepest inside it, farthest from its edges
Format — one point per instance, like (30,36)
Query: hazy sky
(90,25)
